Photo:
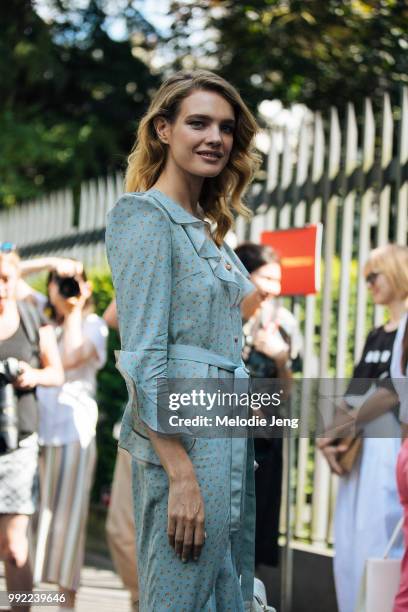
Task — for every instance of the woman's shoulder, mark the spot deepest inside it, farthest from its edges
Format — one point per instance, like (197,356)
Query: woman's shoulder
(134,206)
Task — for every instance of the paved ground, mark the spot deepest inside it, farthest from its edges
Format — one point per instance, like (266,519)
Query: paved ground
(101,591)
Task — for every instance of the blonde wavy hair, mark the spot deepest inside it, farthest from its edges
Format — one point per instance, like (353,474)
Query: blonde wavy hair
(392,261)
(220,195)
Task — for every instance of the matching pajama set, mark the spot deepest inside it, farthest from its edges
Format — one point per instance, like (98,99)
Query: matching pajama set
(178,298)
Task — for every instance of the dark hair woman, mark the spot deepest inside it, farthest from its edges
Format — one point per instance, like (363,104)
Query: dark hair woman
(272,343)
(68,418)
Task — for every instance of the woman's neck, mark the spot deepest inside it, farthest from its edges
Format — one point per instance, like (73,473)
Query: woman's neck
(397,309)
(8,307)
(180,186)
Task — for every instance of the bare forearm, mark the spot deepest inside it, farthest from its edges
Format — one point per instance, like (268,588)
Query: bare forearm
(377,404)
(33,266)
(173,456)
(50,376)
(75,346)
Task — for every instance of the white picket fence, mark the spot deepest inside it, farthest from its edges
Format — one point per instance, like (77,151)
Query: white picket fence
(353,178)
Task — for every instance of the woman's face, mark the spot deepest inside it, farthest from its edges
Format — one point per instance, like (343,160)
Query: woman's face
(8,282)
(380,288)
(64,305)
(201,138)
(267,279)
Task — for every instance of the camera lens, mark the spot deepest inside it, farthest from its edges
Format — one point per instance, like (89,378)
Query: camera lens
(68,287)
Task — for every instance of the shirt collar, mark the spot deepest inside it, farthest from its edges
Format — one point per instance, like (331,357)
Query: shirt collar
(176,211)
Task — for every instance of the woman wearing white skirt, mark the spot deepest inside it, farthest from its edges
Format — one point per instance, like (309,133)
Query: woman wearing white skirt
(368,507)
(68,416)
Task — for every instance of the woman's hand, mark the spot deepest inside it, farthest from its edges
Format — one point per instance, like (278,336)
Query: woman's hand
(75,304)
(186,518)
(331,452)
(67,267)
(28,377)
(272,345)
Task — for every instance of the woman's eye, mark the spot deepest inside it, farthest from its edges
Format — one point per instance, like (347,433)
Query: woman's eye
(197,124)
(228,129)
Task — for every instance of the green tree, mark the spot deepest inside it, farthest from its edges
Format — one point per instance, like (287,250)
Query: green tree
(70,96)
(318,53)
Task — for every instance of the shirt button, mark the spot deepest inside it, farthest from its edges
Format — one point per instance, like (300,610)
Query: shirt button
(235,338)
(228,266)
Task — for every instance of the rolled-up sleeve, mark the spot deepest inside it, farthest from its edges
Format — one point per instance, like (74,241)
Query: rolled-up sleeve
(138,244)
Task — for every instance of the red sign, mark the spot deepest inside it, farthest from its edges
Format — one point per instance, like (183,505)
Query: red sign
(299,250)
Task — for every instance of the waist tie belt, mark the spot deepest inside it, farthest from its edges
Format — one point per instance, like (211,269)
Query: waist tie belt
(238,445)
(202,355)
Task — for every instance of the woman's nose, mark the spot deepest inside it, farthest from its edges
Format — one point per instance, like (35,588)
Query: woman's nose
(214,135)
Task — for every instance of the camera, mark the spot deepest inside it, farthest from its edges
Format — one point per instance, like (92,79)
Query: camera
(9,371)
(68,286)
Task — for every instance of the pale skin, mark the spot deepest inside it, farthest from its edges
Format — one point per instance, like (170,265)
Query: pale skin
(13,527)
(378,403)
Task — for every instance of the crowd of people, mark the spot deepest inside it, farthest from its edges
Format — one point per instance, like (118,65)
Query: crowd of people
(183,527)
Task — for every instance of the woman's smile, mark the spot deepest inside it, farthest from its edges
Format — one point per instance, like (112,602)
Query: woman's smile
(210,156)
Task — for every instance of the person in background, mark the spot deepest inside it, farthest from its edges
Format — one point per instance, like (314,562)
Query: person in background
(363,529)
(120,524)
(30,340)
(68,417)
(272,342)
(399,373)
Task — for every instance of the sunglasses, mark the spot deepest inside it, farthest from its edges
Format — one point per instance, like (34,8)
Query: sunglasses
(7,247)
(372,277)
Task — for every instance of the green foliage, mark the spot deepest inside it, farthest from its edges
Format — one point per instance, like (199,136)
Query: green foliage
(70,96)
(111,392)
(320,53)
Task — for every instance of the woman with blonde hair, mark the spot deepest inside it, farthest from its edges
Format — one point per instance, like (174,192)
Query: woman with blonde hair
(28,358)
(178,289)
(367,508)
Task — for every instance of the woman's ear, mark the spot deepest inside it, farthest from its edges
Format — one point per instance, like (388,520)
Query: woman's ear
(161,125)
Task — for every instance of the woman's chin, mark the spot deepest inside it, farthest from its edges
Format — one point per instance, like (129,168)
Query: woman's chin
(207,171)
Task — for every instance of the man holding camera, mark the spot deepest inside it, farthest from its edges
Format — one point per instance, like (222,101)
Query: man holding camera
(28,357)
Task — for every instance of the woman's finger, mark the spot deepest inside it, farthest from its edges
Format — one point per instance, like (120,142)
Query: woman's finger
(171,531)
(188,542)
(336,467)
(179,537)
(199,539)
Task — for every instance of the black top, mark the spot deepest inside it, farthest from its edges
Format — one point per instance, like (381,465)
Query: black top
(19,347)
(375,362)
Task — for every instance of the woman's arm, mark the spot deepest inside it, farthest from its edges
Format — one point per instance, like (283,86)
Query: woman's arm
(52,373)
(63,266)
(76,348)
(138,243)
(185,521)
(111,316)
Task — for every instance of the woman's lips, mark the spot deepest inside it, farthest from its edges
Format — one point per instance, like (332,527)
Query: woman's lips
(211,157)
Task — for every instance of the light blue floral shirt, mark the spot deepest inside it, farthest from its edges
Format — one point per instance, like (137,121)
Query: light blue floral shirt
(173,286)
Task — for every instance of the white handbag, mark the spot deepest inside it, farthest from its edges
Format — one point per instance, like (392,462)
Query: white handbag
(259,603)
(380,581)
